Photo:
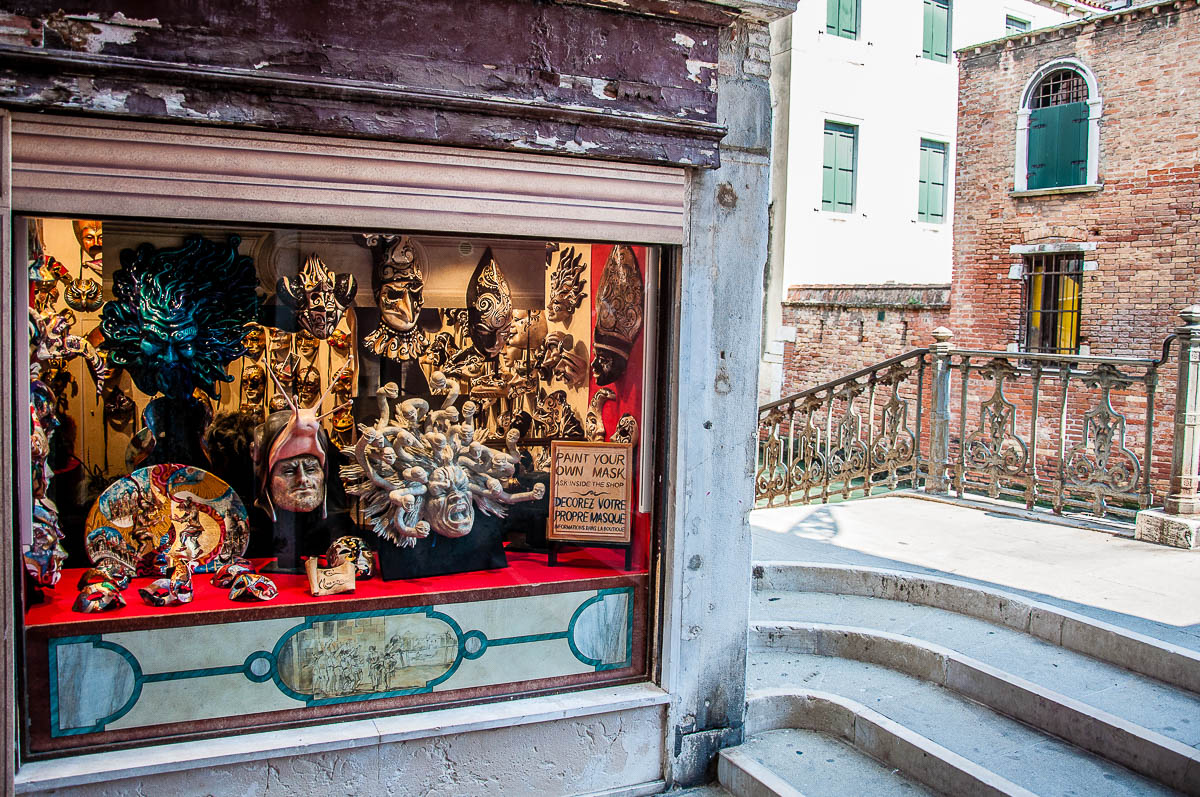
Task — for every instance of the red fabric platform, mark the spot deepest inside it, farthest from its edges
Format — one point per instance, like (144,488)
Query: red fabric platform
(524,568)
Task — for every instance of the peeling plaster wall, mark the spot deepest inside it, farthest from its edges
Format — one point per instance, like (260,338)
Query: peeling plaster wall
(589,754)
(635,82)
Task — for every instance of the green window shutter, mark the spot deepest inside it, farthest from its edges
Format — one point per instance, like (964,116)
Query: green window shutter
(935,39)
(841,18)
(931,201)
(837,172)
(1057,154)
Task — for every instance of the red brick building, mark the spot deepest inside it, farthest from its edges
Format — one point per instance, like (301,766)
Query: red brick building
(1078,185)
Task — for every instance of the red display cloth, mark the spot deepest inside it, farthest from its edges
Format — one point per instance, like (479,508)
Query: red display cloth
(524,568)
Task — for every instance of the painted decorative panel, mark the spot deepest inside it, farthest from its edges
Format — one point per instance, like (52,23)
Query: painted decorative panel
(108,682)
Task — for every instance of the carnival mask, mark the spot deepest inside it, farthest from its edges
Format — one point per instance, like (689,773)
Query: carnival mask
(118,407)
(254,342)
(306,344)
(627,430)
(448,502)
(351,549)
(178,316)
(254,384)
(90,235)
(528,329)
(279,343)
(398,283)
(318,297)
(309,389)
(489,306)
(339,341)
(619,301)
(298,484)
(551,351)
(566,287)
(83,295)
(572,367)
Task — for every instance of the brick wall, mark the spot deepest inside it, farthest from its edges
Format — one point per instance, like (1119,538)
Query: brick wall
(1144,222)
(842,328)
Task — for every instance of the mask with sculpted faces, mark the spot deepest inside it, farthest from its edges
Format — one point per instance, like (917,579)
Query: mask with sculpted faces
(566,287)
(306,344)
(318,297)
(551,351)
(448,504)
(298,484)
(255,342)
(489,306)
(309,389)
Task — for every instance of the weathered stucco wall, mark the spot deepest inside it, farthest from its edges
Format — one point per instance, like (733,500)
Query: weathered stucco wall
(568,78)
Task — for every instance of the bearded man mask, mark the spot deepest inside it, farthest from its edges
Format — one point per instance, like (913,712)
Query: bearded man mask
(317,296)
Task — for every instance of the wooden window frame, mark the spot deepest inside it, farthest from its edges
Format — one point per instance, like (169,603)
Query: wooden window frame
(836,15)
(1049,279)
(930,41)
(1025,114)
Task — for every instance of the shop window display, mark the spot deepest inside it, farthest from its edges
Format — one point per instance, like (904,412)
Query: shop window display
(255,479)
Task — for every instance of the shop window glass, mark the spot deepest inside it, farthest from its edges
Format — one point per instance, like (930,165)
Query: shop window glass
(283,474)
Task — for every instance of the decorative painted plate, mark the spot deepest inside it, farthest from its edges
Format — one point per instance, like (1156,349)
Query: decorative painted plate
(157,515)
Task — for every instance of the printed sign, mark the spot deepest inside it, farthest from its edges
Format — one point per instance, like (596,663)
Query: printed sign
(591,492)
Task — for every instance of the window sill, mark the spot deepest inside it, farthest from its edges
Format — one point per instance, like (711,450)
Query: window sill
(1066,189)
(95,768)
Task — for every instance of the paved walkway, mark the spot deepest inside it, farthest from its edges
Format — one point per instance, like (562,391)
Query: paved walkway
(1147,588)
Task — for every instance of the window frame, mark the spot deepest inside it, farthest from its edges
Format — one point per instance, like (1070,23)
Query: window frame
(837,9)
(1049,297)
(1015,30)
(1095,109)
(830,205)
(923,183)
(929,51)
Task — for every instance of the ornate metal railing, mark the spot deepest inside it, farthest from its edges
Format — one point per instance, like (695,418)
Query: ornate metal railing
(1061,432)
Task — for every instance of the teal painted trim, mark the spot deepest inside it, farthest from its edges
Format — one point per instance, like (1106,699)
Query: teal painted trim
(520,640)
(97,642)
(203,672)
(599,665)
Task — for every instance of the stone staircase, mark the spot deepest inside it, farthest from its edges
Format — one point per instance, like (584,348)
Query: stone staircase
(927,684)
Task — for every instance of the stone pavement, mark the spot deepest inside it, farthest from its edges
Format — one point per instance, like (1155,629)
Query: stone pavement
(1147,588)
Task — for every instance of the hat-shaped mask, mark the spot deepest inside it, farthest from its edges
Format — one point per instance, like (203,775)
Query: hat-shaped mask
(619,300)
(318,297)
(489,306)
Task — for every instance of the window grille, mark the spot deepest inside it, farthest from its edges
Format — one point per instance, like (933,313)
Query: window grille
(1053,300)
(1060,87)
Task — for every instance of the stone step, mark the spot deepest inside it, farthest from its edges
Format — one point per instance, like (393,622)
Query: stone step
(949,743)
(1113,737)
(772,762)
(1164,661)
(1159,707)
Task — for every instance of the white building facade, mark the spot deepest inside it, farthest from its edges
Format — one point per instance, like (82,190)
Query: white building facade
(867,95)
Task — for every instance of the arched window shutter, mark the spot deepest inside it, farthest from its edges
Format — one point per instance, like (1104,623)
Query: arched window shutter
(1058,146)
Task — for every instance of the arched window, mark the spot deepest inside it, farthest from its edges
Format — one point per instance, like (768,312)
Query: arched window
(1058,129)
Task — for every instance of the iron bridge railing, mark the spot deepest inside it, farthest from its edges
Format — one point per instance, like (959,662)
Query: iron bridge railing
(1061,432)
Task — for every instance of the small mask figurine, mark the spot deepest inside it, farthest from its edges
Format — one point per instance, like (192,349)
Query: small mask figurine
(309,388)
(343,428)
(339,341)
(318,297)
(593,422)
(566,287)
(627,430)
(351,549)
(549,354)
(254,385)
(45,273)
(255,342)
(572,366)
(556,415)
(118,406)
(306,344)
(619,301)
(398,283)
(252,587)
(279,343)
(84,294)
(489,306)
